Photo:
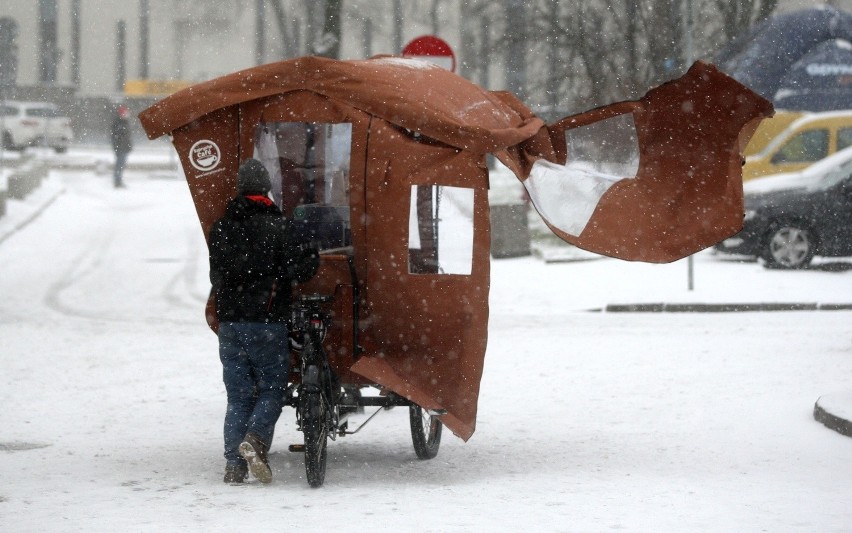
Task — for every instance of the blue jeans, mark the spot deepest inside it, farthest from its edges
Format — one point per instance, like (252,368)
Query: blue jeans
(255,359)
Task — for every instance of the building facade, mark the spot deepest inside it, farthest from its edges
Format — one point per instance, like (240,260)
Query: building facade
(95,46)
(88,55)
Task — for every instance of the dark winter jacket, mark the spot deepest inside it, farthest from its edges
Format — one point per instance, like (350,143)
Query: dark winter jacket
(120,135)
(255,258)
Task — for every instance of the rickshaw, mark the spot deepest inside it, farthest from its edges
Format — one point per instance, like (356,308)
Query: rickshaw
(382,162)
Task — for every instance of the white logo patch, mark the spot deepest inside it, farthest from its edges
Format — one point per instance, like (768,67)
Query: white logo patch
(205,155)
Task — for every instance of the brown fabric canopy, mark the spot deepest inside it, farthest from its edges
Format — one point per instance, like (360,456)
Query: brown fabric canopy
(413,94)
(422,334)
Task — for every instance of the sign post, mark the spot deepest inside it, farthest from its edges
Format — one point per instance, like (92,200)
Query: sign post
(433,49)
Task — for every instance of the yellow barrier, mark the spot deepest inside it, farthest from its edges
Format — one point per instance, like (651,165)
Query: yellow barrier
(154,87)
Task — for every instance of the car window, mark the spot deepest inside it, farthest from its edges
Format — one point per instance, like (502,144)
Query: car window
(42,112)
(844,138)
(806,147)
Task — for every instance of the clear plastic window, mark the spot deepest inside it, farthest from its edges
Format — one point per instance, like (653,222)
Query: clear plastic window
(608,148)
(308,164)
(599,155)
(440,230)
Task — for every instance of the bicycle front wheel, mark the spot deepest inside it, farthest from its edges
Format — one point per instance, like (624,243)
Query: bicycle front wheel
(315,431)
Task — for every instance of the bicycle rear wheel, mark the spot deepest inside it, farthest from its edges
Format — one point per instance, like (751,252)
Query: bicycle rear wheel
(425,432)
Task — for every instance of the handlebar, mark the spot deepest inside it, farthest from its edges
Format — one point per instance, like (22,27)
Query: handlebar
(315,298)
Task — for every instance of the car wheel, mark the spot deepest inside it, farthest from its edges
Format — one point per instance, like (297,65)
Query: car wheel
(789,245)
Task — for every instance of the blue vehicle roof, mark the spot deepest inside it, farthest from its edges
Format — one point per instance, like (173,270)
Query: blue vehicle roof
(778,58)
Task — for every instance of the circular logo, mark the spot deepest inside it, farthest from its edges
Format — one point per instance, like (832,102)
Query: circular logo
(204,155)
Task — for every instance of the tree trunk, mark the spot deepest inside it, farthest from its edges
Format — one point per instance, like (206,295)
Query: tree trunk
(329,43)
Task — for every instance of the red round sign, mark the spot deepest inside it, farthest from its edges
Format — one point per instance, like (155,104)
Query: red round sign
(433,49)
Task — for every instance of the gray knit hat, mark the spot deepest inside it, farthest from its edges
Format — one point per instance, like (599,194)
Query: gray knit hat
(253,178)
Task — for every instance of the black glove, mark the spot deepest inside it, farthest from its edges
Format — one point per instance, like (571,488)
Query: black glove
(306,264)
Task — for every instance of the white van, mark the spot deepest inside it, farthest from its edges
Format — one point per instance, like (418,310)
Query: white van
(34,124)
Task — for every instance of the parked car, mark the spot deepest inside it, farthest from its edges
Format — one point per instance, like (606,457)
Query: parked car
(34,124)
(790,218)
(806,139)
(770,129)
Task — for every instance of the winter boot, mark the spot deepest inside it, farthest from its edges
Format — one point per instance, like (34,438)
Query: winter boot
(235,473)
(253,450)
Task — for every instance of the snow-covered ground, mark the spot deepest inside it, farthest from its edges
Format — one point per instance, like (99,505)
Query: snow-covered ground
(112,401)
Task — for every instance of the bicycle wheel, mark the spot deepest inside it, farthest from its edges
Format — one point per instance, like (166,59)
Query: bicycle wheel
(425,432)
(315,430)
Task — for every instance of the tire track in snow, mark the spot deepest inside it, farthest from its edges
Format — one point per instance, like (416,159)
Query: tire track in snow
(85,266)
(87,262)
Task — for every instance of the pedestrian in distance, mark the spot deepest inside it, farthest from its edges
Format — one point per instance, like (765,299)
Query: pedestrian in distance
(121,144)
(255,259)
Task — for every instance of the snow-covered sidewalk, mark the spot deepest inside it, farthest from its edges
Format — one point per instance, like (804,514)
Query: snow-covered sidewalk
(588,420)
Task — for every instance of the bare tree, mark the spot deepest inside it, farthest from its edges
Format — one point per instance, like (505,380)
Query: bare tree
(287,27)
(397,25)
(434,16)
(515,39)
(481,27)
(737,17)
(608,50)
(328,44)
(556,55)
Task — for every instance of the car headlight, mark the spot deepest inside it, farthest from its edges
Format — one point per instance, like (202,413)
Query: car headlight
(750,214)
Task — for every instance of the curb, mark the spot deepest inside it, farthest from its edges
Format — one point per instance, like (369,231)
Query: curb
(104,166)
(36,212)
(831,420)
(719,308)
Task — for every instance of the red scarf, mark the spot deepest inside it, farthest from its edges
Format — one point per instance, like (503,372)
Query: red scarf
(261,199)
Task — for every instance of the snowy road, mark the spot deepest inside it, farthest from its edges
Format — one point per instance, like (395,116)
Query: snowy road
(112,401)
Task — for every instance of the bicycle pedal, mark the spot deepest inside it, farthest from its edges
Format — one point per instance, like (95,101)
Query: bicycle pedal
(297,448)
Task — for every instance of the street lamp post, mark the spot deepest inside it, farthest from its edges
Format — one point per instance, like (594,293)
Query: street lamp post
(686,17)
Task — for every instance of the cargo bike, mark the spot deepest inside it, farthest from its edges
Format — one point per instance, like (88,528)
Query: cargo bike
(323,405)
(382,162)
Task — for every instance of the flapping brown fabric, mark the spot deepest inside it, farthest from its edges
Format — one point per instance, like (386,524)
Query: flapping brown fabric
(687,194)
